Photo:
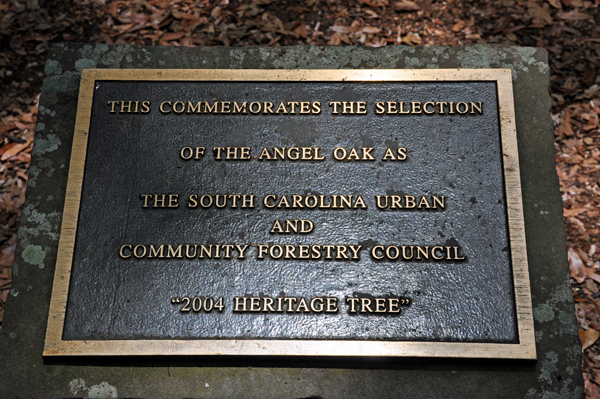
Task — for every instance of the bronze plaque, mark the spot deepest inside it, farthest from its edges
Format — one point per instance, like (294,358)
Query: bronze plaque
(293,212)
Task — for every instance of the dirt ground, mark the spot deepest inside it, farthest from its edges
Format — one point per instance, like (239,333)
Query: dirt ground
(568,29)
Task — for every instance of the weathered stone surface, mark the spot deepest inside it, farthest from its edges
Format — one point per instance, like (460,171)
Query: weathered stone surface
(24,373)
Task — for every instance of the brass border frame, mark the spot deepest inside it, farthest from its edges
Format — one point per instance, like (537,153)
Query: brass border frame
(525,349)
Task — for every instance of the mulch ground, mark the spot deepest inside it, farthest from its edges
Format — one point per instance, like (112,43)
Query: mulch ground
(568,29)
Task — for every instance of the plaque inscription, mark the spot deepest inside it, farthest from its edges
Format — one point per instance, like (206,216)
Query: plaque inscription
(301,212)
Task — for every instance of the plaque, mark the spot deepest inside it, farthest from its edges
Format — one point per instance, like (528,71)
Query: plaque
(293,212)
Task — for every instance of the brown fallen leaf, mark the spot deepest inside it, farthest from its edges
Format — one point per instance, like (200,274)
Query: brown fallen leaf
(22,175)
(592,390)
(579,272)
(301,30)
(14,150)
(370,13)
(591,92)
(574,16)
(173,36)
(539,13)
(7,147)
(588,337)
(573,212)
(344,29)
(412,39)
(335,39)
(216,12)
(371,29)
(26,118)
(140,19)
(406,5)
(123,28)
(190,17)
(4,294)
(370,3)
(20,125)
(458,26)
(577,267)
(22,157)
(113,9)
(565,127)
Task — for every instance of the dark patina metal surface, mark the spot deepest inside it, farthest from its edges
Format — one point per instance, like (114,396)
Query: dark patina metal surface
(456,156)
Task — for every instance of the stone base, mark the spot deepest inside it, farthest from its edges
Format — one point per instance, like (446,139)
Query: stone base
(25,373)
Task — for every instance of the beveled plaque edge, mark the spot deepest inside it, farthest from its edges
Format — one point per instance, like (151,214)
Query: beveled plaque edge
(525,349)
